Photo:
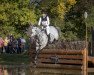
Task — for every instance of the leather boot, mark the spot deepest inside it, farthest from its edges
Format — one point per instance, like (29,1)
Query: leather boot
(48,38)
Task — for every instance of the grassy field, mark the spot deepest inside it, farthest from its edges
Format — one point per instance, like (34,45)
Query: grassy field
(14,59)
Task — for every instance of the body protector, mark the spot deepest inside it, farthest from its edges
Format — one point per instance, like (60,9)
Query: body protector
(44,21)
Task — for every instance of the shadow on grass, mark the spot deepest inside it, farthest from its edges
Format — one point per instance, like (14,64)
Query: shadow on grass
(14,59)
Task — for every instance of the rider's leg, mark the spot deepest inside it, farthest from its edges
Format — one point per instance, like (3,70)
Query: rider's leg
(48,32)
(42,27)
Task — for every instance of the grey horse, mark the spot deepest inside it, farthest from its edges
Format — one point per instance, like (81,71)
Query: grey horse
(41,38)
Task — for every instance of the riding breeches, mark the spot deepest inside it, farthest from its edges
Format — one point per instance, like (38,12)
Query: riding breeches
(47,28)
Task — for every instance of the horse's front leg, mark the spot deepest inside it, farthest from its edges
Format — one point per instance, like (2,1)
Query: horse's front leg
(36,57)
(36,54)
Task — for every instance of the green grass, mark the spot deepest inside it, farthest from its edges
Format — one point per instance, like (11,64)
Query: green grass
(14,59)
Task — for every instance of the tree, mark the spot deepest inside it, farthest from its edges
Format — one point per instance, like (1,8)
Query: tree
(57,8)
(17,14)
(76,17)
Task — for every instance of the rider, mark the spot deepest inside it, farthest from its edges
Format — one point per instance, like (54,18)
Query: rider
(45,22)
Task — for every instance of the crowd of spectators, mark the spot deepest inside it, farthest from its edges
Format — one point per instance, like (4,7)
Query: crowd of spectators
(11,45)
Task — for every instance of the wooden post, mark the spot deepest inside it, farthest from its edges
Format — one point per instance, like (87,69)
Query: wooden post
(85,62)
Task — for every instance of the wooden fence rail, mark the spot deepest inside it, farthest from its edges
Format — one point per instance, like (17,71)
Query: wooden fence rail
(63,59)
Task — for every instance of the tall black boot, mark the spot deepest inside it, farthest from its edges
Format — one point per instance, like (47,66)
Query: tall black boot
(48,38)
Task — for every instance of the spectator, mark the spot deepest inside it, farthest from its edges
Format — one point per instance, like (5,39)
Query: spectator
(19,46)
(5,72)
(6,41)
(1,45)
(11,37)
(15,46)
(23,41)
(10,46)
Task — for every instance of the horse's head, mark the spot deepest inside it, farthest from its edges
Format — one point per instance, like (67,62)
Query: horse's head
(33,31)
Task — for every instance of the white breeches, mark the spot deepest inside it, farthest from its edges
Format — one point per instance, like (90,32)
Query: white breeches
(47,28)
